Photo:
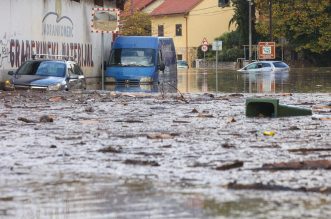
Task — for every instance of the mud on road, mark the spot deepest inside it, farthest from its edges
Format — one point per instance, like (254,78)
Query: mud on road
(99,154)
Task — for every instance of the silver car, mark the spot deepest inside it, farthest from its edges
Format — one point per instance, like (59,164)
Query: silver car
(265,66)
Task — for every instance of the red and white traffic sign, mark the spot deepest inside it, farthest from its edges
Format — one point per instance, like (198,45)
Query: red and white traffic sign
(204,42)
(204,45)
(204,48)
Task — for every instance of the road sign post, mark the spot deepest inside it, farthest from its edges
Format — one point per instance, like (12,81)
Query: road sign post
(204,48)
(104,20)
(217,45)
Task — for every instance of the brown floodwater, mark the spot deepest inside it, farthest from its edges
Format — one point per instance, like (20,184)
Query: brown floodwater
(104,154)
(298,80)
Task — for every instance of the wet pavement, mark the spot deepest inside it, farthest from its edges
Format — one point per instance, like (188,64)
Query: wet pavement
(102,154)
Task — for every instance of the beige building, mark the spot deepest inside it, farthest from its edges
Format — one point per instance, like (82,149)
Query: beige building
(188,22)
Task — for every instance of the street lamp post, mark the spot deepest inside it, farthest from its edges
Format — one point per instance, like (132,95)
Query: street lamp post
(250,29)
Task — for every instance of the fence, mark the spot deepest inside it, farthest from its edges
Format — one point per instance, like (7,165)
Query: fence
(200,63)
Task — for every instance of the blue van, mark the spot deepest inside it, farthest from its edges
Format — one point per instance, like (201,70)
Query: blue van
(142,60)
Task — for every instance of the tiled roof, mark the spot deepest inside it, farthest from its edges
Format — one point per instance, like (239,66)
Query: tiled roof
(175,7)
(140,4)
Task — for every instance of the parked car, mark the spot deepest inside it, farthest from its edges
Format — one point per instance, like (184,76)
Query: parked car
(182,64)
(265,66)
(47,74)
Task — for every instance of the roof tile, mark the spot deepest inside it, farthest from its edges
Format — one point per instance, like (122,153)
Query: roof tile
(141,4)
(175,7)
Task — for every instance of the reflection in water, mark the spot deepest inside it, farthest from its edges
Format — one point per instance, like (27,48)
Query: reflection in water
(230,81)
(147,88)
(264,82)
(99,197)
(297,80)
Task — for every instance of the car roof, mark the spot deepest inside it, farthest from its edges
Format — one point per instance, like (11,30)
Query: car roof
(47,60)
(55,58)
(52,60)
(267,61)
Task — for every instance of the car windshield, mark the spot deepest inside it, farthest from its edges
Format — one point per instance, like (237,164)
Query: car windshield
(132,57)
(43,68)
(280,65)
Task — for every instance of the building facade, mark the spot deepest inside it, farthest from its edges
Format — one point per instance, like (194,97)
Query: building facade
(54,27)
(188,22)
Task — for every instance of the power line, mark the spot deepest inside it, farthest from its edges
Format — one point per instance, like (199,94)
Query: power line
(213,12)
(204,8)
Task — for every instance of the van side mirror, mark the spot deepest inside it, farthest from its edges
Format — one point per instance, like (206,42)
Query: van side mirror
(162,66)
(11,73)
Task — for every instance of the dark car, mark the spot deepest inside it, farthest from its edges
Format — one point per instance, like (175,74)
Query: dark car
(47,74)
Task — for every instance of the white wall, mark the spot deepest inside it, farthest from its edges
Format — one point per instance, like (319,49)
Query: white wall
(25,29)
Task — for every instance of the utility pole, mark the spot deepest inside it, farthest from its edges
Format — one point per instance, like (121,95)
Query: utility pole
(270,21)
(250,29)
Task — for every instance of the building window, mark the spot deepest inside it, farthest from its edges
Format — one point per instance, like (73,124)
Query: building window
(179,57)
(178,30)
(223,3)
(76,0)
(160,30)
(98,2)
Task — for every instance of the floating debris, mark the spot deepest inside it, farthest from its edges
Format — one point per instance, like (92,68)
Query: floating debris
(269,133)
(130,121)
(231,120)
(298,165)
(46,119)
(268,187)
(306,150)
(160,136)
(232,165)
(26,120)
(111,149)
(142,162)
(56,99)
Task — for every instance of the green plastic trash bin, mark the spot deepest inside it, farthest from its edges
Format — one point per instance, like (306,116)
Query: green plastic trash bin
(271,108)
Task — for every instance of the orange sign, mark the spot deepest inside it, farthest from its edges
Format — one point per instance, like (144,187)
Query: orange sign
(267,50)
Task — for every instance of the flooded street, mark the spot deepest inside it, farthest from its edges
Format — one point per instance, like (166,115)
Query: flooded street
(193,154)
(297,80)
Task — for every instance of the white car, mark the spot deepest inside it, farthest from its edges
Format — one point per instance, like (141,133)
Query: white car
(265,66)
(182,64)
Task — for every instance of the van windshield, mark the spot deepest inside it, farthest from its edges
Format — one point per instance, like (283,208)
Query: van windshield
(132,57)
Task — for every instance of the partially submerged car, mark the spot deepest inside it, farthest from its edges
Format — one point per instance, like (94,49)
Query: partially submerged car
(182,64)
(47,74)
(265,66)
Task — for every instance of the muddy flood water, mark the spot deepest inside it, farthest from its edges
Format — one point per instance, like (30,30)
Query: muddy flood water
(106,154)
(298,80)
